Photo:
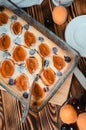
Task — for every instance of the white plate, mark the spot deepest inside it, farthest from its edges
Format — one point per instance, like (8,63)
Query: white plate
(75,34)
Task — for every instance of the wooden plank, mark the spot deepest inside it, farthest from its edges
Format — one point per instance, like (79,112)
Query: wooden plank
(62,94)
(2,121)
(48,117)
(11,112)
(33,121)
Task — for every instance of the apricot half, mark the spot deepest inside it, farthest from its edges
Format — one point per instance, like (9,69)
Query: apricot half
(48,76)
(19,54)
(16,28)
(4,42)
(7,68)
(44,49)
(37,91)
(58,62)
(3,18)
(32,64)
(29,38)
(22,82)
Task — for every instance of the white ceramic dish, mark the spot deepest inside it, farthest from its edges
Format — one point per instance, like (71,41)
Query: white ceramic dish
(75,34)
(65,3)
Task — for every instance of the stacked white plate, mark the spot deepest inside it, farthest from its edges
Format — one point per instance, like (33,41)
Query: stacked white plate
(75,34)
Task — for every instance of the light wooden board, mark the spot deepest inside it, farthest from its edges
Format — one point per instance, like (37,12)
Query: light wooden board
(61,95)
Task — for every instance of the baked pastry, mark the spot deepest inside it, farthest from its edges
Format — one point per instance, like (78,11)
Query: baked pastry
(28,55)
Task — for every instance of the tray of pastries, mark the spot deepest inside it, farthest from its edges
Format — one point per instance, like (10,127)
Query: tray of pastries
(30,54)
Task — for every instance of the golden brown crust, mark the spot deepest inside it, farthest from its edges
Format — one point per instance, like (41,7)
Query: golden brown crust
(32,64)
(22,82)
(44,49)
(16,28)
(3,18)
(29,38)
(37,91)
(4,42)
(48,76)
(7,68)
(58,62)
(19,54)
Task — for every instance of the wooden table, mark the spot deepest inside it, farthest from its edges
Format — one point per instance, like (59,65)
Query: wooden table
(10,108)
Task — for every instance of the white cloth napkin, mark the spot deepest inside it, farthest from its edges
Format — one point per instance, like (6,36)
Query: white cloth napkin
(26,3)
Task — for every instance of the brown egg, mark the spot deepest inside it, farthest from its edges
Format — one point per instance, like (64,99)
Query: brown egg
(68,114)
(81,121)
(59,15)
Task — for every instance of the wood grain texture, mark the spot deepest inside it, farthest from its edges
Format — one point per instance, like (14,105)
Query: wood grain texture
(2,121)
(46,119)
(62,94)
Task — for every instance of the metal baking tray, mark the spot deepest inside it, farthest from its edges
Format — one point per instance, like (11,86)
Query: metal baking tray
(70,56)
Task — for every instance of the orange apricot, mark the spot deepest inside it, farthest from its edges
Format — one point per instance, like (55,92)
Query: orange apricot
(4,42)
(16,28)
(29,38)
(7,68)
(44,49)
(68,114)
(32,64)
(22,82)
(19,54)
(48,76)
(37,91)
(58,62)
(3,18)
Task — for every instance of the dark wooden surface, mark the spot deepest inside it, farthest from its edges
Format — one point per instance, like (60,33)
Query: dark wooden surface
(47,119)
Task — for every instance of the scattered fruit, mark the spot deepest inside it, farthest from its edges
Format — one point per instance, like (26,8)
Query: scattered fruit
(59,15)
(68,114)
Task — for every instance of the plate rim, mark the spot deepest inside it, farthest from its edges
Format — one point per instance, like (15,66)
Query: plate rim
(67,31)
